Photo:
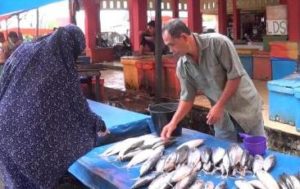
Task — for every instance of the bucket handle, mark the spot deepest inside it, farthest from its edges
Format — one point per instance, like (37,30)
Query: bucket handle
(244,135)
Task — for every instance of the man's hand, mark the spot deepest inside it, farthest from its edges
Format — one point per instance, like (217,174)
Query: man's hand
(167,131)
(215,114)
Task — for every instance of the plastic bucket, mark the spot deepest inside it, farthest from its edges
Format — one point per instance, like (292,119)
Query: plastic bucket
(254,144)
(162,114)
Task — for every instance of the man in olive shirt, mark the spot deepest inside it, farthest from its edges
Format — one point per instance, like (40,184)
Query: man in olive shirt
(209,63)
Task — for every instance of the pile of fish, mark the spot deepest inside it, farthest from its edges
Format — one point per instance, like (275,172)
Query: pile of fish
(137,149)
(266,181)
(179,168)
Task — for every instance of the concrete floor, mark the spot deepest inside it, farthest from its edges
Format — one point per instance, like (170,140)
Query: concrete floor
(115,79)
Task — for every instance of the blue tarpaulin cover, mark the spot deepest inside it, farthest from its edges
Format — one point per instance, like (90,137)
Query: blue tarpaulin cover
(106,172)
(121,123)
(12,6)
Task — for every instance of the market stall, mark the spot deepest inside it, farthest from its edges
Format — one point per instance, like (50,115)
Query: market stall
(96,171)
(121,123)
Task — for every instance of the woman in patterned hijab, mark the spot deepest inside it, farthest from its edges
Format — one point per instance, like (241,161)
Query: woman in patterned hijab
(45,122)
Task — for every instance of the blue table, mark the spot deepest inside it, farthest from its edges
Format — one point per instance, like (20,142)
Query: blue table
(121,123)
(105,172)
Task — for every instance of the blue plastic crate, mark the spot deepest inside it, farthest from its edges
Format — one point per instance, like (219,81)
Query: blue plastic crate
(282,67)
(297,96)
(282,102)
(247,62)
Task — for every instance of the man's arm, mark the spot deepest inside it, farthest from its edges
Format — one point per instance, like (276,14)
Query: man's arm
(183,108)
(217,110)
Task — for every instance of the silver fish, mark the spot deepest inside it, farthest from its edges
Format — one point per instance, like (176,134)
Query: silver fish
(192,143)
(170,162)
(140,157)
(257,184)
(186,182)
(258,163)
(267,179)
(143,181)
(182,154)
(149,143)
(290,181)
(284,183)
(161,182)
(129,155)
(226,164)
(160,164)
(241,184)
(151,161)
(221,185)
(114,149)
(181,173)
(130,144)
(295,181)
(235,153)
(209,185)
(245,158)
(165,143)
(269,162)
(217,155)
(198,166)
(205,154)
(249,163)
(207,167)
(193,157)
(198,184)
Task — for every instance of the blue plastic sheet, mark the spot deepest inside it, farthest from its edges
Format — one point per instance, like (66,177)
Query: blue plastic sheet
(121,123)
(106,172)
(11,6)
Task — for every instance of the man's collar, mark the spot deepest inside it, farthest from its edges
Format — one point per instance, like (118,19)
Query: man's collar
(202,44)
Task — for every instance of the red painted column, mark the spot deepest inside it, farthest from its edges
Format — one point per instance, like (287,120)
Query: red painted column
(236,20)
(138,21)
(194,16)
(293,7)
(283,2)
(97,18)
(222,17)
(92,23)
(175,10)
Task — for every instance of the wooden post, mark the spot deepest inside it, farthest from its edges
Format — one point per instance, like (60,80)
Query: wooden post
(194,16)
(158,51)
(222,17)
(138,21)
(175,10)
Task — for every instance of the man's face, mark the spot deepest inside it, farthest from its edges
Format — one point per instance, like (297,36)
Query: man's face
(151,30)
(178,46)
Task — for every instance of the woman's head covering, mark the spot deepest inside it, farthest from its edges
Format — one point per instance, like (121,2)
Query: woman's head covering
(46,123)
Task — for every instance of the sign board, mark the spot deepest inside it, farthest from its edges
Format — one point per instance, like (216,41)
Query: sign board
(277,27)
(277,12)
(277,20)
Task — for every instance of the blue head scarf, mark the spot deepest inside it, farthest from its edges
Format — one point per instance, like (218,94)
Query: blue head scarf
(45,122)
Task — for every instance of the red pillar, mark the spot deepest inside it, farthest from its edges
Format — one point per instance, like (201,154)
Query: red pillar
(138,21)
(283,2)
(236,20)
(222,17)
(92,23)
(293,9)
(175,10)
(194,16)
